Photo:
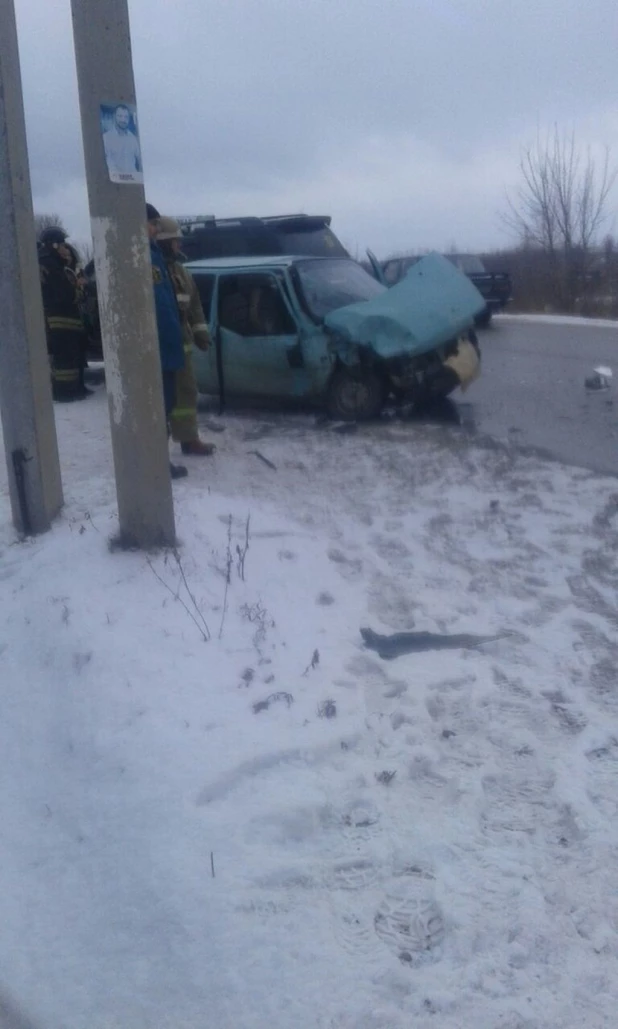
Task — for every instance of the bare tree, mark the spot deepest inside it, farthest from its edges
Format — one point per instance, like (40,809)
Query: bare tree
(47,221)
(560,208)
(86,252)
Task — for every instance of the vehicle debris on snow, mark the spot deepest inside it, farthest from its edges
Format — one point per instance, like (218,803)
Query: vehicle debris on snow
(601,380)
(389,647)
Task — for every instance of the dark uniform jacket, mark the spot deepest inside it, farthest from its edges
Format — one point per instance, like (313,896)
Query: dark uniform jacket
(60,293)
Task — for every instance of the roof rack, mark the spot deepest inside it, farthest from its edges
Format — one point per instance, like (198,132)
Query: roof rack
(326,218)
(188,221)
(182,218)
(192,222)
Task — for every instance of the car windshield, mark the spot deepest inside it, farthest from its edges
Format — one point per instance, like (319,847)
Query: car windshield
(329,284)
(467,263)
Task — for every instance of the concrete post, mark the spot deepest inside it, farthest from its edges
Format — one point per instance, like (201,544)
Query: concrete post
(124,283)
(25,389)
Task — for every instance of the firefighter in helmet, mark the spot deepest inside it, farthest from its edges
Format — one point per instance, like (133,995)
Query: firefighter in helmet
(183,419)
(66,338)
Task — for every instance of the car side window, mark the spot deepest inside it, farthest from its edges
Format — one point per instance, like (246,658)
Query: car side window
(205,286)
(407,264)
(252,305)
(391,272)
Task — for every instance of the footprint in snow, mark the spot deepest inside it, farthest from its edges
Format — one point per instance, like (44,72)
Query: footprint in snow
(287,879)
(350,567)
(518,803)
(409,921)
(352,875)
(354,931)
(361,820)
(393,551)
(376,1019)
(602,778)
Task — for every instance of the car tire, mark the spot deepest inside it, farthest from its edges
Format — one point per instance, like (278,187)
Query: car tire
(355,395)
(484,318)
(441,385)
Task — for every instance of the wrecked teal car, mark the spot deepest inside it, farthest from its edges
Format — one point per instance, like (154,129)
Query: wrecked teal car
(324,331)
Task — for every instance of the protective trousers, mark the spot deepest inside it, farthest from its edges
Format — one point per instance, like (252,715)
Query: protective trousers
(65,344)
(183,420)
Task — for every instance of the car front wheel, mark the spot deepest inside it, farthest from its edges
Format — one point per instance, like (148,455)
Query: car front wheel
(484,318)
(354,395)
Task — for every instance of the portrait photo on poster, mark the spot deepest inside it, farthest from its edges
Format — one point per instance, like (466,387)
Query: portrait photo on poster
(121,142)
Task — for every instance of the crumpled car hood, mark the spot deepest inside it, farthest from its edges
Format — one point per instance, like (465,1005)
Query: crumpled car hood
(433,304)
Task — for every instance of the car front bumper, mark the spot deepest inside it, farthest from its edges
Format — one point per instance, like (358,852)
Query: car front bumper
(466,363)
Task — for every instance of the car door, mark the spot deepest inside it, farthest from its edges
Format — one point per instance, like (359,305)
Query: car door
(258,336)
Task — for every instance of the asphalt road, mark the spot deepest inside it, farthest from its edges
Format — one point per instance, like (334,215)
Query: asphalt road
(532,391)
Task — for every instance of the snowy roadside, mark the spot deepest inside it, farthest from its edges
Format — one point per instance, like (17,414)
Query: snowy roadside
(560,319)
(475,887)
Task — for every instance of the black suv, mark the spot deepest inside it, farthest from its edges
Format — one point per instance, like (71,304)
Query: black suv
(494,287)
(296,235)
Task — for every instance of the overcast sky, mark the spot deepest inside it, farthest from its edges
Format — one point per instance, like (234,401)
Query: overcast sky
(403,119)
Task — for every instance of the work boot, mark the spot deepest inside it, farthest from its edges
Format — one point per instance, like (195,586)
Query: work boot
(178,471)
(82,388)
(197,448)
(62,397)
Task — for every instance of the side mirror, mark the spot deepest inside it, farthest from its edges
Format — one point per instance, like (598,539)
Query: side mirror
(376,268)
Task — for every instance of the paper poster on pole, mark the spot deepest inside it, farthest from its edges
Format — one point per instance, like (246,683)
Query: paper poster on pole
(121,142)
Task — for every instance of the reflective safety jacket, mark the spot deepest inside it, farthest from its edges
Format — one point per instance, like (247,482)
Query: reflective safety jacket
(194,325)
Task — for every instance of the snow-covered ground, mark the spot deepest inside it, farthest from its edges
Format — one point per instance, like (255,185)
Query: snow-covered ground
(560,319)
(189,840)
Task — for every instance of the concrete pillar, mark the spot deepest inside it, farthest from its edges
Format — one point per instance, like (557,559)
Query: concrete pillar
(124,283)
(28,423)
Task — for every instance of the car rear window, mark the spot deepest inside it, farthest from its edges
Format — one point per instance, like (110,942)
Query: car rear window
(312,242)
(262,239)
(229,242)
